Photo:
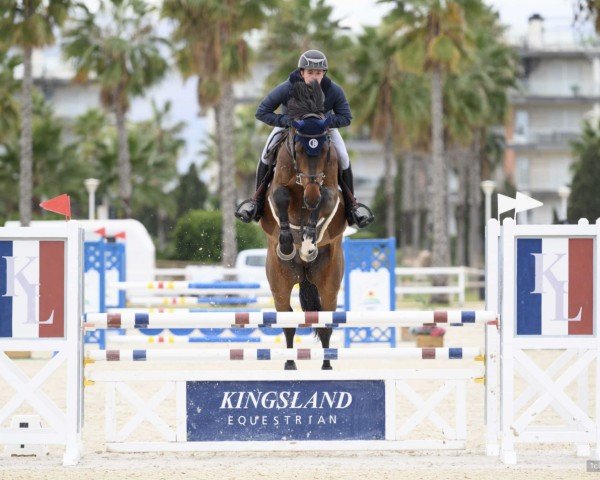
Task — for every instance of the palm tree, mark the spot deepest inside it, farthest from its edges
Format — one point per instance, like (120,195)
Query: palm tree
(211,44)
(9,85)
(57,169)
(392,102)
(249,138)
(301,25)
(29,24)
(118,46)
(155,152)
(475,99)
(434,37)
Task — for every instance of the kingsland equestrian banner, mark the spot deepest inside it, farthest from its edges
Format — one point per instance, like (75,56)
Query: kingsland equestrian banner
(555,286)
(32,288)
(285,410)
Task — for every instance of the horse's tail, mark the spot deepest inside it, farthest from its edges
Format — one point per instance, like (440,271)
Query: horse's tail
(309,297)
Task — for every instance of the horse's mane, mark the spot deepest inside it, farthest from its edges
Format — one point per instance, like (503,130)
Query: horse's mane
(306,99)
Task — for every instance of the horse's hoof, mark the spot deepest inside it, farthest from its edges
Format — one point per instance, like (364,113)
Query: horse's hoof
(283,256)
(290,365)
(326,367)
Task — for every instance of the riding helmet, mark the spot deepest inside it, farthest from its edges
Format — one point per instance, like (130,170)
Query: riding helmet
(313,59)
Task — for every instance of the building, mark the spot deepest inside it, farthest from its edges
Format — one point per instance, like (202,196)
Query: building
(559,89)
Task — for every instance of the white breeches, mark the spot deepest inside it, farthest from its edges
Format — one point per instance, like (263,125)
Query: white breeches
(336,138)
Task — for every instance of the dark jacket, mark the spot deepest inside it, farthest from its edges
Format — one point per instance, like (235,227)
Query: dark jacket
(336,105)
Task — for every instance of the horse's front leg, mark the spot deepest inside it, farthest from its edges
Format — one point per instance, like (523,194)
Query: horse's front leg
(308,248)
(286,250)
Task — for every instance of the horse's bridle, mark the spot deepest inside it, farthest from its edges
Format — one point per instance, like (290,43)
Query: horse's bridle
(319,177)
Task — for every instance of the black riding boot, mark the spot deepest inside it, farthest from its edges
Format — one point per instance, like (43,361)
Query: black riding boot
(356,213)
(253,208)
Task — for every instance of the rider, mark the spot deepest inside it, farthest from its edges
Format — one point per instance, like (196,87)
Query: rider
(312,65)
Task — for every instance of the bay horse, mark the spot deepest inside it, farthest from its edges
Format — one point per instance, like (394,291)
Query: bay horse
(304,216)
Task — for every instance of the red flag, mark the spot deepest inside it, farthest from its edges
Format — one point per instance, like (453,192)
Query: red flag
(120,235)
(101,232)
(60,204)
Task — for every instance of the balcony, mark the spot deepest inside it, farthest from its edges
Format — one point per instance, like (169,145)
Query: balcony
(543,140)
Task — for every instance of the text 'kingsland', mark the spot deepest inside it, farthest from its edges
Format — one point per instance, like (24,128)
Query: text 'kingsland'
(285,399)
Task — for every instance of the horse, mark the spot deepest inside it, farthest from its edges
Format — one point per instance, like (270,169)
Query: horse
(304,216)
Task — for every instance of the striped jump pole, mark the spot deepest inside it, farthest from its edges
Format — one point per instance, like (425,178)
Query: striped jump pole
(223,308)
(399,318)
(128,355)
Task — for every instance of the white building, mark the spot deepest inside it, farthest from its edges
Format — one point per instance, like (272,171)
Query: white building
(559,87)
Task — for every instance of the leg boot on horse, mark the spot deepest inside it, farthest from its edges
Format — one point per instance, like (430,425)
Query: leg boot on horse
(253,208)
(356,213)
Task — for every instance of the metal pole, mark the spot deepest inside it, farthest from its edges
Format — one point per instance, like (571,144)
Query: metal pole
(91,184)
(488,187)
(563,193)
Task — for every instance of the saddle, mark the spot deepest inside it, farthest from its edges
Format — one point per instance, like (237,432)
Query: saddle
(271,155)
(274,144)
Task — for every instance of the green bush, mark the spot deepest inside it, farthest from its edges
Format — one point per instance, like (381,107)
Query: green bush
(198,236)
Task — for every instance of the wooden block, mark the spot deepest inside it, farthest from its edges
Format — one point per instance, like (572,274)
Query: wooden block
(424,341)
(16,355)
(405,335)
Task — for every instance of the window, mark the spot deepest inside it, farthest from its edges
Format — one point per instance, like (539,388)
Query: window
(256,260)
(521,125)
(522,173)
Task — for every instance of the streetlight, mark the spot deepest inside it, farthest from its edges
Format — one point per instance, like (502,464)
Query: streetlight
(91,184)
(563,193)
(488,187)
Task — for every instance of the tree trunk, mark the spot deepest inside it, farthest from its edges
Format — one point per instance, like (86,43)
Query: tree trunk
(419,188)
(161,235)
(226,155)
(475,238)
(389,180)
(462,161)
(441,250)
(124,158)
(26,142)
(441,247)
(408,206)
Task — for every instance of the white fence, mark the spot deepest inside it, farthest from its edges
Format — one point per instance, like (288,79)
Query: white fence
(419,281)
(409,280)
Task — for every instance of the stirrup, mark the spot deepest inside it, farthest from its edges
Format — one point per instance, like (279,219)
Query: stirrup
(362,215)
(246,211)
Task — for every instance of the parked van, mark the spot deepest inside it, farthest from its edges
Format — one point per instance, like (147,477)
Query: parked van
(250,265)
